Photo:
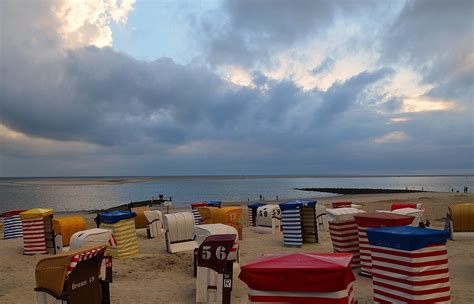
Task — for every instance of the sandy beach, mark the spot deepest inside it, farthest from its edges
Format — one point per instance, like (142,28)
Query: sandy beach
(154,276)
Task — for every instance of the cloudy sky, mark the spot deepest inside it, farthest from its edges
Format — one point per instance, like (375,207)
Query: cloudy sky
(236,87)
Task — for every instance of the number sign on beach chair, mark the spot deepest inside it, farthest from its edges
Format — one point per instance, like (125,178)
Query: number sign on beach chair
(72,278)
(179,228)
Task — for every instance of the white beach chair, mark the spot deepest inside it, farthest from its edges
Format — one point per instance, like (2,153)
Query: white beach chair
(179,230)
(322,218)
(155,223)
(90,238)
(268,219)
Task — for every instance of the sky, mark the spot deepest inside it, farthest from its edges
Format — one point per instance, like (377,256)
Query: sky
(124,87)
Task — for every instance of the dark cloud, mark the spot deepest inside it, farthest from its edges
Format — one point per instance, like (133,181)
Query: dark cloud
(436,39)
(250,30)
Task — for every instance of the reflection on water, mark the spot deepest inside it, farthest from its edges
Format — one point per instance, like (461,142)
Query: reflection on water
(185,190)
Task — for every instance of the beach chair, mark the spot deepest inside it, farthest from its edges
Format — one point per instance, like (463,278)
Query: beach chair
(252,212)
(64,228)
(409,265)
(268,219)
(214,270)
(122,226)
(72,278)
(460,221)
(195,211)
(38,232)
(344,233)
(322,218)
(90,238)
(299,225)
(140,220)
(154,225)
(179,230)
(12,224)
(201,232)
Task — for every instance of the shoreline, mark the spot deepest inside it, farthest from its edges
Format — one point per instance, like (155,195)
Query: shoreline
(120,180)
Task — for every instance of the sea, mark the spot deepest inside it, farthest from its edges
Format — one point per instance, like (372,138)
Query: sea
(16,194)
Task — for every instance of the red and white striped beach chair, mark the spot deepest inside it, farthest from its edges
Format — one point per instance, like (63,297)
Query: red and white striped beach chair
(409,265)
(344,233)
(375,220)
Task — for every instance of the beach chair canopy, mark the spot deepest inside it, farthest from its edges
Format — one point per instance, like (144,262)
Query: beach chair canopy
(36,213)
(12,213)
(52,273)
(255,205)
(203,231)
(200,204)
(462,216)
(214,203)
(396,206)
(67,226)
(113,217)
(406,237)
(295,204)
(341,204)
(381,219)
(306,272)
(90,238)
(337,215)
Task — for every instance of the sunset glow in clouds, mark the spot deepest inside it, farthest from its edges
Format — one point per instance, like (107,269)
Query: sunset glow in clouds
(236,87)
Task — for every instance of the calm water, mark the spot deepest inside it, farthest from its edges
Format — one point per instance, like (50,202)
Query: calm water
(185,190)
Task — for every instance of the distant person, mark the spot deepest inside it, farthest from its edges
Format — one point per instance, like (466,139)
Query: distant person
(277,197)
(260,197)
(465,189)
(452,189)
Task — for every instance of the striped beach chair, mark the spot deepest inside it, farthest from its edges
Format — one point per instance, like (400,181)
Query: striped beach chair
(375,220)
(38,232)
(298,220)
(409,265)
(344,233)
(122,226)
(12,224)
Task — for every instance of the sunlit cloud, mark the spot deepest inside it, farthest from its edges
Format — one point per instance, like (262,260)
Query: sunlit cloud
(237,76)
(391,137)
(399,120)
(424,104)
(87,22)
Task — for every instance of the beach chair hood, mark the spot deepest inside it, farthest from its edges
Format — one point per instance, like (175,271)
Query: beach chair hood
(309,272)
